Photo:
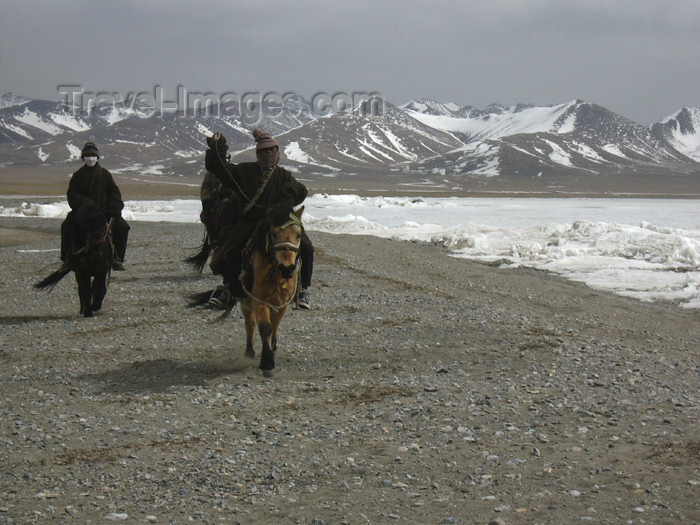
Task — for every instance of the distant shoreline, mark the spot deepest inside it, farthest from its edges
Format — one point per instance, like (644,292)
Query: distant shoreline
(47,181)
(129,193)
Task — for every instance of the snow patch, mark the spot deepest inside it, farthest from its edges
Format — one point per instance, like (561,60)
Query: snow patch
(568,125)
(67,121)
(294,152)
(398,146)
(42,155)
(201,128)
(114,116)
(154,170)
(587,152)
(558,154)
(32,119)
(18,130)
(614,150)
(74,152)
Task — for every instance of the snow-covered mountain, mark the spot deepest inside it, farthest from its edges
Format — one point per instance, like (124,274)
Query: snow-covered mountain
(681,131)
(134,138)
(497,121)
(576,137)
(353,142)
(10,99)
(421,140)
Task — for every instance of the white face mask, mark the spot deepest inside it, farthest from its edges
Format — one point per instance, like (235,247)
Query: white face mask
(90,161)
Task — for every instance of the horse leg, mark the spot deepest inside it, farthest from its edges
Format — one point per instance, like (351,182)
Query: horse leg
(84,292)
(267,358)
(250,324)
(99,290)
(275,321)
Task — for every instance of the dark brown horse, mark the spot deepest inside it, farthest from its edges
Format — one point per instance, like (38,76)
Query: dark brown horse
(270,279)
(227,213)
(90,258)
(199,260)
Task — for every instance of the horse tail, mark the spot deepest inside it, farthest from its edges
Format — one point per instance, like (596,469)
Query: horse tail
(199,299)
(53,279)
(199,260)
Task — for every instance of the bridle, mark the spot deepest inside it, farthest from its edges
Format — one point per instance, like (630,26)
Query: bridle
(275,247)
(99,239)
(284,245)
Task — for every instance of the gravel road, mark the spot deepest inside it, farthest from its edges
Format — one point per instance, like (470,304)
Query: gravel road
(420,388)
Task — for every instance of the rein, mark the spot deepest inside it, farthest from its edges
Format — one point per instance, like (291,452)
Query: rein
(251,202)
(275,307)
(103,238)
(279,246)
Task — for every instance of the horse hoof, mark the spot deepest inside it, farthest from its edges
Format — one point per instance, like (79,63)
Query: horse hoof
(268,373)
(250,354)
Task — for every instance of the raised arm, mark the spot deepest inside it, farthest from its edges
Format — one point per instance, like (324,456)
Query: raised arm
(215,162)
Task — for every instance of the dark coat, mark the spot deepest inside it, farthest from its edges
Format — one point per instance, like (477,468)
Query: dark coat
(95,185)
(256,196)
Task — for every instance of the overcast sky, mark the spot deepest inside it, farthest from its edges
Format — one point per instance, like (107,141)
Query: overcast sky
(639,58)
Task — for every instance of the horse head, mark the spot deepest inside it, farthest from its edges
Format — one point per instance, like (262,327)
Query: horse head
(91,222)
(92,226)
(284,239)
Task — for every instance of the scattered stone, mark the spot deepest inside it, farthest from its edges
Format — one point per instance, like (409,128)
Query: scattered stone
(149,412)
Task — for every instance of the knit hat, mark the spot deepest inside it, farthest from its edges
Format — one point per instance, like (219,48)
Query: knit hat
(90,150)
(263,140)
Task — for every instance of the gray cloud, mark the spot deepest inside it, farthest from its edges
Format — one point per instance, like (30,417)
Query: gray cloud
(636,57)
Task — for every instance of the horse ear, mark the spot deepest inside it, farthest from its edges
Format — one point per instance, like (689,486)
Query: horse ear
(299,212)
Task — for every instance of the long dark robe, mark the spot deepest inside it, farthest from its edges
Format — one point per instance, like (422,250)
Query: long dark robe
(256,193)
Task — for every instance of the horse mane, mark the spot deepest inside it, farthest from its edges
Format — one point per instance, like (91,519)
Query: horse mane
(276,216)
(90,220)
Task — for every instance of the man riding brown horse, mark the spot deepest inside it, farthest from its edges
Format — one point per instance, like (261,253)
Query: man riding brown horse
(258,186)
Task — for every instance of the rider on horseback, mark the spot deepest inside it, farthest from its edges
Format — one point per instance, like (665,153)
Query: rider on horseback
(92,184)
(219,206)
(258,186)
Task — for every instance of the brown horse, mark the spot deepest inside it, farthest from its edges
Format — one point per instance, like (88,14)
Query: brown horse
(270,279)
(91,259)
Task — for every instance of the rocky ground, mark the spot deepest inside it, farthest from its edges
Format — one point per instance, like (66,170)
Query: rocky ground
(419,389)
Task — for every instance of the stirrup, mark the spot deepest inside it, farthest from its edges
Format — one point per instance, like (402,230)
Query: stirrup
(221,298)
(303,302)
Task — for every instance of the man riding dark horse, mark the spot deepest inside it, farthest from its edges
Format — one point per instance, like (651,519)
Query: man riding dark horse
(258,186)
(91,258)
(93,184)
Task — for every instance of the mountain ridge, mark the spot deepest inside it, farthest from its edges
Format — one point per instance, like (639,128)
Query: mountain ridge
(424,140)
